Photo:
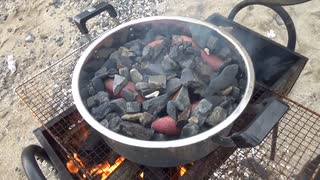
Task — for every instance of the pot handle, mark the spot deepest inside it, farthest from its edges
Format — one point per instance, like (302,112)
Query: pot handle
(276,6)
(269,114)
(82,18)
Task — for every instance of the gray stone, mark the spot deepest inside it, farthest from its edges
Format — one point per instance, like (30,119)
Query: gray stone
(111,116)
(114,124)
(212,42)
(204,71)
(142,86)
(92,101)
(97,99)
(202,111)
(183,117)
(133,107)
(30,38)
(119,106)
(169,65)
(105,123)
(124,72)
(97,84)
(173,85)
(182,99)
(119,83)
(155,105)
(218,115)
(193,120)
(101,111)
(132,117)
(123,51)
(214,100)
(103,70)
(146,119)
(235,92)
(152,69)
(124,61)
(223,80)
(157,82)
(136,131)
(227,91)
(135,76)
(188,78)
(189,130)
(128,94)
(171,109)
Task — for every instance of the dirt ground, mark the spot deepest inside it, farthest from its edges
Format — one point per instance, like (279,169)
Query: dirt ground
(38,33)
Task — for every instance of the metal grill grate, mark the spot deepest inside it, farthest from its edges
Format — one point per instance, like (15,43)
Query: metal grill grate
(48,96)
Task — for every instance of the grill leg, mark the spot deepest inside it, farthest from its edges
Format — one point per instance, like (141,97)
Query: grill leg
(274,142)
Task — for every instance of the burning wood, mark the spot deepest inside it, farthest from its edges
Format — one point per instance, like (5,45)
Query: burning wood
(166,86)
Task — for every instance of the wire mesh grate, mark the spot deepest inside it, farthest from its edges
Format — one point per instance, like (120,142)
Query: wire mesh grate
(48,96)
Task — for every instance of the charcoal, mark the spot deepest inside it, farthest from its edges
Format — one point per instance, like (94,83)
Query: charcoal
(171,109)
(189,130)
(202,111)
(173,85)
(119,83)
(128,94)
(183,117)
(169,65)
(135,76)
(188,78)
(227,91)
(214,100)
(105,123)
(182,99)
(133,107)
(118,106)
(193,120)
(223,80)
(123,51)
(104,53)
(132,117)
(152,95)
(142,86)
(136,131)
(159,137)
(218,115)
(212,43)
(235,92)
(146,119)
(97,84)
(124,72)
(101,111)
(157,82)
(155,105)
(124,61)
(114,124)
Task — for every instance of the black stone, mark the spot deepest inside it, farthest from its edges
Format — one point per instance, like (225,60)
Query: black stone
(101,111)
(118,106)
(97,84)
(189,130)
(183,117)
(214,100)
(155,105)
(119,83)
(97,99)
(103,70)
(111,63)
(182,99)
(235,93)
(173,85)
(136,76)
(203,71)
(188,78)
(169,65)
(136,131)
(171,109)
(223,80)
(105,123)
(133,107)
(159,137)
(152,69)
(92,101)
(128,94)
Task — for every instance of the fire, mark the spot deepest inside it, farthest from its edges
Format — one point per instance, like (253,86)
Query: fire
(103,169)
(141,175)
(182,170)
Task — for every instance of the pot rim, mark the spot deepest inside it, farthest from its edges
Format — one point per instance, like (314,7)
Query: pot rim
(172,143)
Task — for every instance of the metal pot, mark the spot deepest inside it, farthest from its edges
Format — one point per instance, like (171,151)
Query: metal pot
(177,152)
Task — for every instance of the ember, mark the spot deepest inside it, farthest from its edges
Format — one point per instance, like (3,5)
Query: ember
(166,86)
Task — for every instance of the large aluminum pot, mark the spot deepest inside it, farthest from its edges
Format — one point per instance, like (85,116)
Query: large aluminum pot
(162,153)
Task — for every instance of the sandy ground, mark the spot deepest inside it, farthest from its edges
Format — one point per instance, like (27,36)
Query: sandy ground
(49,23)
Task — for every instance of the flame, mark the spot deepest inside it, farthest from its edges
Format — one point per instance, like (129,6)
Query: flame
(141,175)
(182,170)
(72,168)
